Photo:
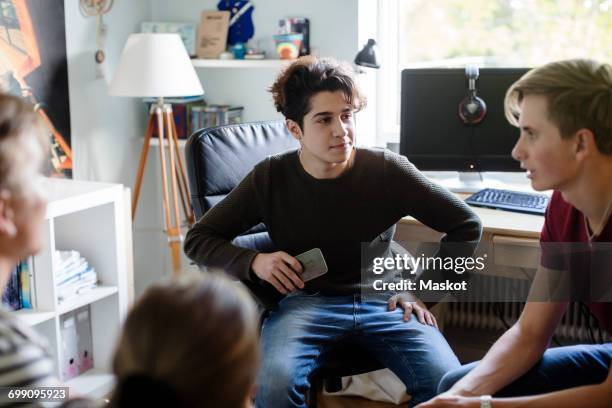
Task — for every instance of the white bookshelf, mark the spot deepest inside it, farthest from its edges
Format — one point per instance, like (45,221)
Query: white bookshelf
(234,63)
(90,218)
(155,142)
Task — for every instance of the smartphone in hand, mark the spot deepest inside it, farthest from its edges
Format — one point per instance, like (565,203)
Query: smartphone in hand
(313,264)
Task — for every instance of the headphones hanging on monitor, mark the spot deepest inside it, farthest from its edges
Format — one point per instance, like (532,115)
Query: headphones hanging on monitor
(472,109)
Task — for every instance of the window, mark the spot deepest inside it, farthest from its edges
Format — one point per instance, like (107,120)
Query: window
(486,33)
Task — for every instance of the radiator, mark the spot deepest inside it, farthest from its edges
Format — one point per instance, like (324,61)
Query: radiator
(496,316)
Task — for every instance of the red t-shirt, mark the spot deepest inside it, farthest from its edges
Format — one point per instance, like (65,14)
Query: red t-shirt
(564,223)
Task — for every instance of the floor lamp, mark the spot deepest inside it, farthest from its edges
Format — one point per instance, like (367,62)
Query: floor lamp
(157,65)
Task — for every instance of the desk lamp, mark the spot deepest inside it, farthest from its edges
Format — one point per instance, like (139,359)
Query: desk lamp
(368,56)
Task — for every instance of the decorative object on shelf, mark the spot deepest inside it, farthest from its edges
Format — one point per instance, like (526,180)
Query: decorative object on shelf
(238,50)
(97,8)
(288,45)
(254,52)
(299,25)
(212,33)
(187,31)
(157,65)
(368,56)
(241,28)
(255,56)
(77,347)
(226,55)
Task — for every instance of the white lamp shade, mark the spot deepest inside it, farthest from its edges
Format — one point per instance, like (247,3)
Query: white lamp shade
(155,65)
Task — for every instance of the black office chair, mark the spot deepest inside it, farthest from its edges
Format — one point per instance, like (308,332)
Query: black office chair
(218,159)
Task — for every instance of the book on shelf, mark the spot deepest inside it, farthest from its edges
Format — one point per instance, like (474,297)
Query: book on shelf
(215,115)
(181,112)
(19,292)
(26,280)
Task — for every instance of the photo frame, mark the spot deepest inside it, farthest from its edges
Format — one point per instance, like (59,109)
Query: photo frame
(187,31)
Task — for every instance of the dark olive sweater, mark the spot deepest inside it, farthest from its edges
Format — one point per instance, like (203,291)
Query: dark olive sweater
(336,215)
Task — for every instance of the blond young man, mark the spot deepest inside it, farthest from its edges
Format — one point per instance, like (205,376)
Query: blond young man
(564,114)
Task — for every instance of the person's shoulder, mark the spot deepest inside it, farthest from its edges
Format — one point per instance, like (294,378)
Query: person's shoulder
(558,208)
(372,155)
(275,160)
(562,221)
(282,157)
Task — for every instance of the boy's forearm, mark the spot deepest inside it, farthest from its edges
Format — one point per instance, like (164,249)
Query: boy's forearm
(509,358)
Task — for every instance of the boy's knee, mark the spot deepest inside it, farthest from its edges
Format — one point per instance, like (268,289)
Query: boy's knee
(279,385)
(450,378)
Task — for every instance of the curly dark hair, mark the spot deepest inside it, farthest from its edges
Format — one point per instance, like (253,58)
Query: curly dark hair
(307,76)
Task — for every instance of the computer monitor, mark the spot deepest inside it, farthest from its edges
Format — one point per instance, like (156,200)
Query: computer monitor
(434,137)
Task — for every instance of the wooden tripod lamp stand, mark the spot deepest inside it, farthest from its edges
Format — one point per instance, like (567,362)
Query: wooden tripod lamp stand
(157,65)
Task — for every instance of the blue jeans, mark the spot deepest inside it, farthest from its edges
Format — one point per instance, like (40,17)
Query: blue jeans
(296,336)
(558,369)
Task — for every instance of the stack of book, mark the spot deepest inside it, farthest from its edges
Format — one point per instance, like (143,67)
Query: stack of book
(19,292)
(73,275)
(181,111)
(215,115)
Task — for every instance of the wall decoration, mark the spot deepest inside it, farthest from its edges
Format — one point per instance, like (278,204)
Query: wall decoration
(33,65)
(187,31)
(97,8)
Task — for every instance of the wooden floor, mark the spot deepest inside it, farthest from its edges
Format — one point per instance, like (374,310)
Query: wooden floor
(325,401)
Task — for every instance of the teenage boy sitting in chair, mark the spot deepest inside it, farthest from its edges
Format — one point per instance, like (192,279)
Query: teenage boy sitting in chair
(565,119)
(330,195)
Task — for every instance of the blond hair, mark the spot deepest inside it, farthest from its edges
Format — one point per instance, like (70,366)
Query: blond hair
(23,143)
(195,340)
(578,94)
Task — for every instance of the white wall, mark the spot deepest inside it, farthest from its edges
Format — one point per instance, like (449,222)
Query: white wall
(103,127)
(107,131)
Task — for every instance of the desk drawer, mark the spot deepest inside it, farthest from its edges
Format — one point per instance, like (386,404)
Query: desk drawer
(516,252)
(416,233)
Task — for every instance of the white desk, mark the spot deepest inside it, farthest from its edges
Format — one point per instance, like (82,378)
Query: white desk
(514,237)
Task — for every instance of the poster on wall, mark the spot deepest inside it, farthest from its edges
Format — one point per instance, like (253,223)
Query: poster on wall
(33,65)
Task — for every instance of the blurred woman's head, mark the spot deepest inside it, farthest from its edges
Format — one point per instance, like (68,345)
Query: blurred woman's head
(191,343)
(23,148)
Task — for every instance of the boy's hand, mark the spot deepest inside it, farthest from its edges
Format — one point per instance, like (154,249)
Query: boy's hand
(279,269)
(411,305)
(451,401)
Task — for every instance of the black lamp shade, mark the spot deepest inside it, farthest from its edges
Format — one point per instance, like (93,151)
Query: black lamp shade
(368,56)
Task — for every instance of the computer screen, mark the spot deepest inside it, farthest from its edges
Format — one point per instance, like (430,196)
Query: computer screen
(434,137)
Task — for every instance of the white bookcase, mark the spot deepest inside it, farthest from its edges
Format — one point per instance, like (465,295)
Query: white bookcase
(92,218)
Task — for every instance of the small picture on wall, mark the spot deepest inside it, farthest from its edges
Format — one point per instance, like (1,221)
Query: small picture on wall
(187,31)
(33,65)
